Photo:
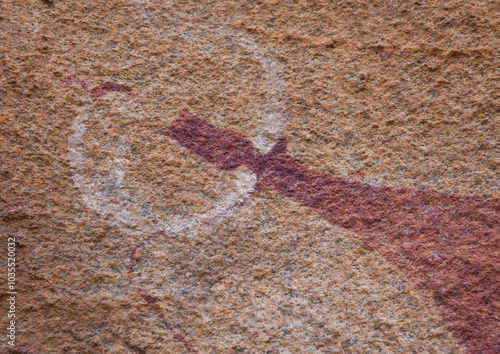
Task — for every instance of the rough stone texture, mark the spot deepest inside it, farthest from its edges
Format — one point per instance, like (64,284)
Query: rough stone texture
(401,94)
(447,244)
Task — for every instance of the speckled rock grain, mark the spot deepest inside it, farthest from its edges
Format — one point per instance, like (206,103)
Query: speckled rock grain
(403,95)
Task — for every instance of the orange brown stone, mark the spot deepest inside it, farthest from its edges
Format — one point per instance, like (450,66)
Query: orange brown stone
(448,245)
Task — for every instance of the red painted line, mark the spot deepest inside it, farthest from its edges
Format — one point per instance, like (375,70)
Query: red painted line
(102,89)
(77,80)
(97,92)
(151,304)
(448,245)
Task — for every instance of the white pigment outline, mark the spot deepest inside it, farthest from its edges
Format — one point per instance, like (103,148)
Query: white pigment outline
(244,183)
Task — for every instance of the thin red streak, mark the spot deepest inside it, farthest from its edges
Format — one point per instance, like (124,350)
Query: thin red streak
(77,80)
(148,299)
(102,89)
(448,245)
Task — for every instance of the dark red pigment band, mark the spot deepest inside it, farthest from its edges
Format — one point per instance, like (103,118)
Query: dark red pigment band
(448,245)
(102,89)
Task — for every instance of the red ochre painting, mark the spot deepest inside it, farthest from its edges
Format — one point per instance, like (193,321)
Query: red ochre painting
(82,267)
(448,245)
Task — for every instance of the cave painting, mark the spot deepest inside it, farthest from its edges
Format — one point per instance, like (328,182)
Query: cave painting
(448,245)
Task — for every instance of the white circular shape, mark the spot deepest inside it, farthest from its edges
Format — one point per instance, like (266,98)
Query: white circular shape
(132,222)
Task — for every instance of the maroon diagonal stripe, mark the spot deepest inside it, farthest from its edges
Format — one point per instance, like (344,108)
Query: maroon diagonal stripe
(102,89)
(448,245)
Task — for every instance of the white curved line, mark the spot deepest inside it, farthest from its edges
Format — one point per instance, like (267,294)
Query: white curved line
(243,185)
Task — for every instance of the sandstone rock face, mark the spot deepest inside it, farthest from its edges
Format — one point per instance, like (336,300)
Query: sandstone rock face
(128,240)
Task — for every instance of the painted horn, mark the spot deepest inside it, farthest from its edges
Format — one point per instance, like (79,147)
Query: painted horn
(448,245)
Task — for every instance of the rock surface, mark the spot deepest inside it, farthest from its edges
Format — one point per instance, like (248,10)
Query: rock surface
(403,95)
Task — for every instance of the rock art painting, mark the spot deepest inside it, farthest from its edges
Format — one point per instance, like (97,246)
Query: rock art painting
(249,176)
(448,244)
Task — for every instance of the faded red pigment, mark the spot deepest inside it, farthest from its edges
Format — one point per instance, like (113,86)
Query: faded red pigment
(102,89)
(76,80)
(448,245)
(148,299)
